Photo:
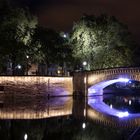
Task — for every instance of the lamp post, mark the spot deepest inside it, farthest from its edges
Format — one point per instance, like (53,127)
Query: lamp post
(84,65)
(27,58)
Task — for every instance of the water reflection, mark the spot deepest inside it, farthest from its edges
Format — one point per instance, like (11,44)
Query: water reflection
(74,126)
(124,103)
(34,107)
(38,117)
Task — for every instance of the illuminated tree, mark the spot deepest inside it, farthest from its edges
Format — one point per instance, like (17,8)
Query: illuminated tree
(103,42)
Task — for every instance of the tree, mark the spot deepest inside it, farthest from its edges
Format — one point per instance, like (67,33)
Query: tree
(54,48)
(103,42)
(16,28)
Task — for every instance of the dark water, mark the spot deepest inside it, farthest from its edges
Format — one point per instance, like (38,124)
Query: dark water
(54,118)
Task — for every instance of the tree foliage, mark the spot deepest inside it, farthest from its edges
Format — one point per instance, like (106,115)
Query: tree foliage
(103,42)
(16,28)
(53,47)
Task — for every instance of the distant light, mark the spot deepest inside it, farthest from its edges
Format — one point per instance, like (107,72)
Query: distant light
(19,66)
(84,125)
(84,63)
(130,102)
(123,114)
(111,106)
(27,56)
(58,71)
(123,79)
(25,137)
(65,36)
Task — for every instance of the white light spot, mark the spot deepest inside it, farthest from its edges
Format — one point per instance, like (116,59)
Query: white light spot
(122,114)
(111,106)
(25,137)
(130,102)
(84,63)
(84,125)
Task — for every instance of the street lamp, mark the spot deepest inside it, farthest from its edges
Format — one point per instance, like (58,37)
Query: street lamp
(84,65)
(27,56)
(19,66)
(65,36)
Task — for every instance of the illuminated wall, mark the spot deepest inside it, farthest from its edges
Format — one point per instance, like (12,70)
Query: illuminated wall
(53,85)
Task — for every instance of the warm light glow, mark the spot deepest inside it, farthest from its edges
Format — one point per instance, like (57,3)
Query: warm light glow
(84,112)
(58,71)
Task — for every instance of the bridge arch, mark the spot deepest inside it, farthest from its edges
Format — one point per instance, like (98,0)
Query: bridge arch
(82,81)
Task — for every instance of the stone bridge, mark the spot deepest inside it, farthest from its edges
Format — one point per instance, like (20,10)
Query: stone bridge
(78,84)
(82,81)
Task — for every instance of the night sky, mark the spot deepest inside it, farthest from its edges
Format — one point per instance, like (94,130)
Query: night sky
(60,14)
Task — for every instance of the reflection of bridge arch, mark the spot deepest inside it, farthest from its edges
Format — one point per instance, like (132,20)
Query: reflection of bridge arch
(111,120)
(84,80)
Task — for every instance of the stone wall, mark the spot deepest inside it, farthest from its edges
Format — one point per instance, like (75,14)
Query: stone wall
(54,86)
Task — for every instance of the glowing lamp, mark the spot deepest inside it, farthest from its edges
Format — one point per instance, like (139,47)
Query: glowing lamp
(58,71)
(65,36)
(19,66)
(84,63)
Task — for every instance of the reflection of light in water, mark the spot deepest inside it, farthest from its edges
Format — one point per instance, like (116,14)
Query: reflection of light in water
(122,114)
(125,100)
(25,137)
(84,112)
(91,91)
(111,106)
(84,125)
(130,102)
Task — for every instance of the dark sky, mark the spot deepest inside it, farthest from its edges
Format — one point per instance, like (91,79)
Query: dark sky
(60,14)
